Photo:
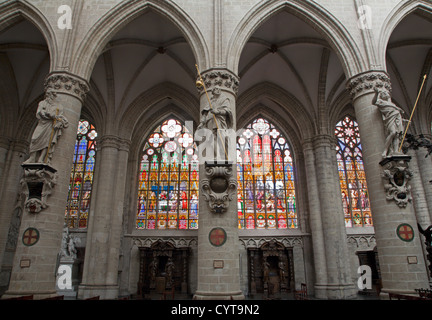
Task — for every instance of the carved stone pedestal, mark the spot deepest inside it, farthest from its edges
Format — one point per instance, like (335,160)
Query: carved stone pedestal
(396,174)
(219,185)
(37,183)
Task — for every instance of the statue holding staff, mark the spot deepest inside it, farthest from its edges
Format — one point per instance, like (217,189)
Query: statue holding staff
(48,130)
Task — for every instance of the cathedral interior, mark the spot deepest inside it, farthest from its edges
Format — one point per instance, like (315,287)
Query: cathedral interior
(101,160)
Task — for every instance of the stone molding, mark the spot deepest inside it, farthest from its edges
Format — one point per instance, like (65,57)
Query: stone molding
(144,242)
(67,83)
(246,242)
(288,242)
(367,82)
(362,241)
(366,241)
(221,78)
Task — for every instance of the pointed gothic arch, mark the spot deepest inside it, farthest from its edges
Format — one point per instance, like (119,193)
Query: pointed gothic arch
(119,16)
(11,12)
(333,31)
(399,12)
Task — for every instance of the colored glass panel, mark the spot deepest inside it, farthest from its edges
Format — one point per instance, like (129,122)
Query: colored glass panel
(81,177)
(265,175)
(168,179)
(355,199)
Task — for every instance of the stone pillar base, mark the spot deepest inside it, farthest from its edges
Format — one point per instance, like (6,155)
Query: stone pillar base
(108,292)
(199,295)
(335,291)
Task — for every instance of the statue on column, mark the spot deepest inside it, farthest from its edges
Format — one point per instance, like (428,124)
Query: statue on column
(393,123)
(49,128)
(217,115)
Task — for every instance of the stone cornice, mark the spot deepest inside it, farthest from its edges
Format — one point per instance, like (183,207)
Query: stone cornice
(221,78)
(368,82)
(67,83)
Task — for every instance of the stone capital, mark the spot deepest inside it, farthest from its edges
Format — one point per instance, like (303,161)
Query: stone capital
(110,141)
(222,78)
(5,142)
(324,140)
(20,146)
(368,82)
(67,83)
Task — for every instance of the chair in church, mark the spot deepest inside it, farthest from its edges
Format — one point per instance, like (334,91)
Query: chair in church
(302,293)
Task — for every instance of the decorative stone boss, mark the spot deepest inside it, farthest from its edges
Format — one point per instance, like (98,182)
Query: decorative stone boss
(218,186)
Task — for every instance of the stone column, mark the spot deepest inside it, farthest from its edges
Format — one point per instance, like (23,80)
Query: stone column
(4,148)
(401,262)
(10,208)
(418,192)
(101,262)
(218,250)
(425,171)
(315,222)
(34,268)
(339,282)
(10,188)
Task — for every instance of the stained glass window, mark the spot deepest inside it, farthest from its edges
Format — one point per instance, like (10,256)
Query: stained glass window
(168,179)
(352,178)
(81,178)
(265,175)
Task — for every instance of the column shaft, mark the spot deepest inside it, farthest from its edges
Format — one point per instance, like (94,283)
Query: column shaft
(100,275)
(339,283)
(315,221)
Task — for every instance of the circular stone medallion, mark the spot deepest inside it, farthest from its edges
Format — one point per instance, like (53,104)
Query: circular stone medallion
(217,237)
(30,237)
(405,232)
